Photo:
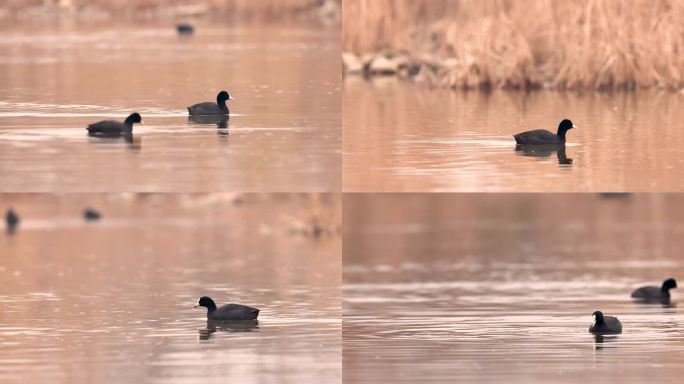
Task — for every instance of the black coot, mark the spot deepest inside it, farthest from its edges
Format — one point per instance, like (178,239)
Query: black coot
(185,29)
(654,294)
(91,214)
(12,220)
(542,136)
(228,311)
(605,324)
(111,128)
(210,108)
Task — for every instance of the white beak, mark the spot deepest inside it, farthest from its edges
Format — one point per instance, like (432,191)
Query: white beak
(230,97)
(574,126)
(196,305)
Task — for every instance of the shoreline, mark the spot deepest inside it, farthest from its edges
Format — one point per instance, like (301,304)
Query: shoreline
(451,73)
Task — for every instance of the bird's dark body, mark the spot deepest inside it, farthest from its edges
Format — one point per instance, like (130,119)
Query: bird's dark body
(544,137)
(208,108)
(605,324)
(233,312)
(228,311)
(654,294)
(537,137)
(109,128)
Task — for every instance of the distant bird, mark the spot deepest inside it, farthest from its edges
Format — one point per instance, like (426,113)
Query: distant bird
(615,195)
(211,108)
(542,136)
(12,220)
(228,311)
(605,324)
(91,214)
(111,128)
(185,29)
(654,294)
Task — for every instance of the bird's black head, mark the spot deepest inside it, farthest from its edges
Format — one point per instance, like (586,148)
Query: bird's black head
(565,125)
(222,97)
(206,302)
(598,317)
(133,118)
(669,284)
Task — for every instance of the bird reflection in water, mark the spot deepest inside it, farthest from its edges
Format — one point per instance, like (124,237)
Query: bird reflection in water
(665,303)
(134,143)
(599,340)
(544,151)
(221,122)
(214,326)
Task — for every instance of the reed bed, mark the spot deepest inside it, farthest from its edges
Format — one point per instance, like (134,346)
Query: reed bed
(571,44)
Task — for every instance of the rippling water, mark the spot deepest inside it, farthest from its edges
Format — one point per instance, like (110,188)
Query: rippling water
(283,134)
(399,136)
(501,288)
(112,301)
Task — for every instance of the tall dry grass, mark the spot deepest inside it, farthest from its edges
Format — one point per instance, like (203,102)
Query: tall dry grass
(596,44)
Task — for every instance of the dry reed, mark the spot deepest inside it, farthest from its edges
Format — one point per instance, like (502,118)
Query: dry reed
(571,44)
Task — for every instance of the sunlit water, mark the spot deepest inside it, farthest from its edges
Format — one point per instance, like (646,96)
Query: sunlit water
(399,136)
(283,134)
(501,288)
(112,301)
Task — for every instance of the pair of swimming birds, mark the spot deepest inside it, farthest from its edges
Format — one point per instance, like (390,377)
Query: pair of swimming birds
(602,324)
(648,294)
(111,128)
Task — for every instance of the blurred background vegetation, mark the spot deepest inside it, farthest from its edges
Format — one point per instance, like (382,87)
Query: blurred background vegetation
(572,44)
(97,10)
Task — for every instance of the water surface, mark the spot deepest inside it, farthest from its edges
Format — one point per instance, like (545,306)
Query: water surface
(399,136)
(112,301)
(283,134)
(501,288)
